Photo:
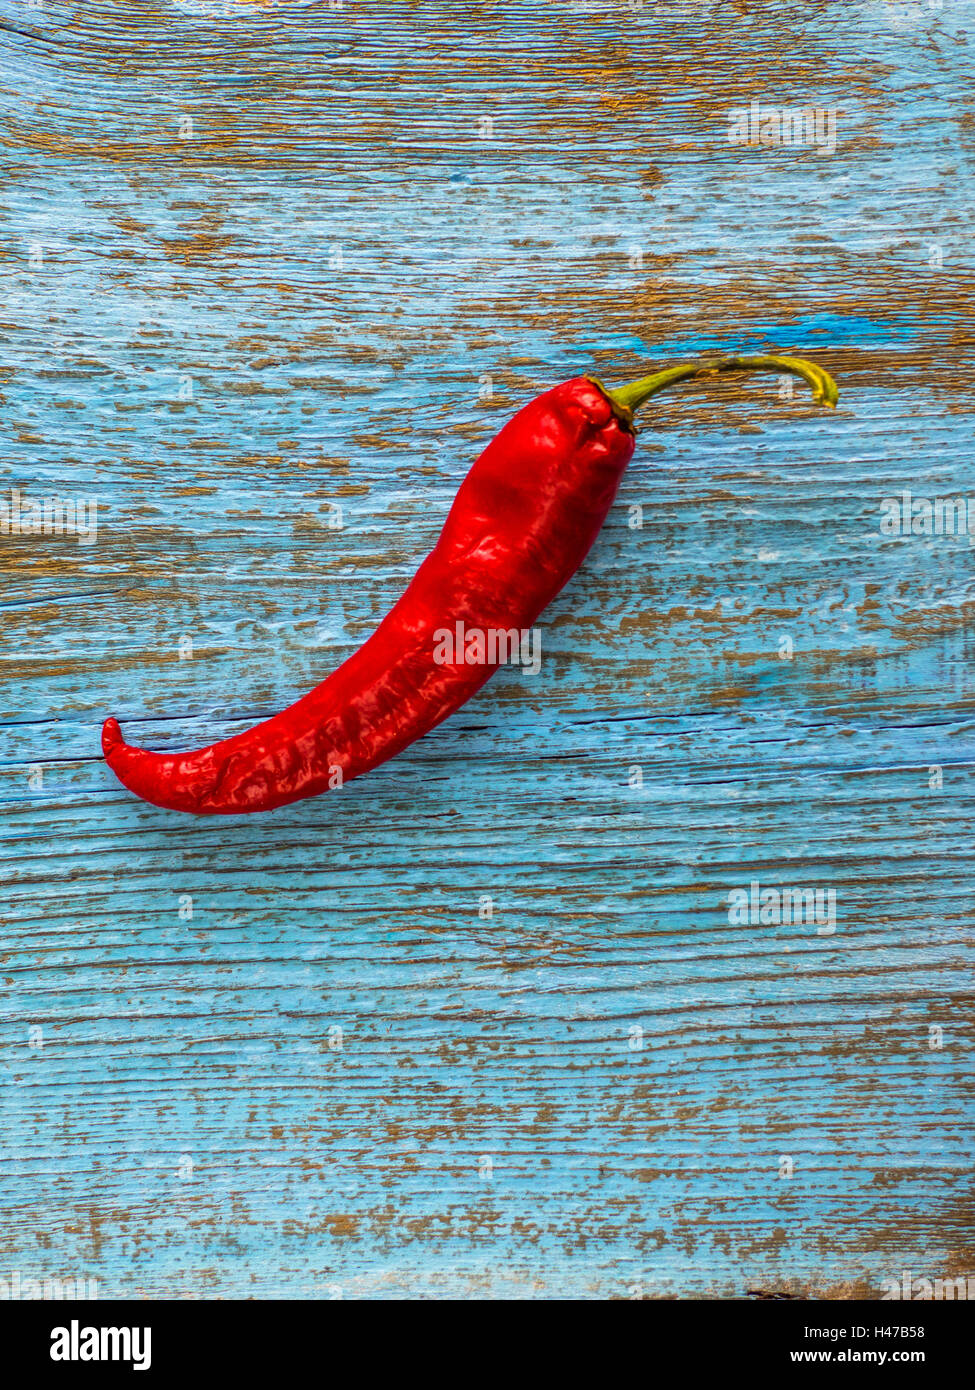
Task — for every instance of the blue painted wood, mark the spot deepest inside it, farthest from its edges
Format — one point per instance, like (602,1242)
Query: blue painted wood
(289,1055)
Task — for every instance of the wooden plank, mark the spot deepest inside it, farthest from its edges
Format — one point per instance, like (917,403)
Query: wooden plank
(386,228)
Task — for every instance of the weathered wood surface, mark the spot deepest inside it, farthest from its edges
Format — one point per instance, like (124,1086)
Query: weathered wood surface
(592,1092)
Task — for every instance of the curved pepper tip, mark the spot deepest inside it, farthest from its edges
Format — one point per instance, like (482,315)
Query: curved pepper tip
(111,737)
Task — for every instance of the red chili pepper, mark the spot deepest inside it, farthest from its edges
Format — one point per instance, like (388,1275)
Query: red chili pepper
(522,523)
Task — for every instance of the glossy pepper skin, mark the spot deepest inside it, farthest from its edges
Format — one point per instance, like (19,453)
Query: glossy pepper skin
(521,524)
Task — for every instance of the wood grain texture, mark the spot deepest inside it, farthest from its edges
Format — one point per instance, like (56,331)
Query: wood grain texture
(379,206)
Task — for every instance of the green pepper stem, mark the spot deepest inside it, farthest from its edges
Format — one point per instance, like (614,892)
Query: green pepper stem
(630,397)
